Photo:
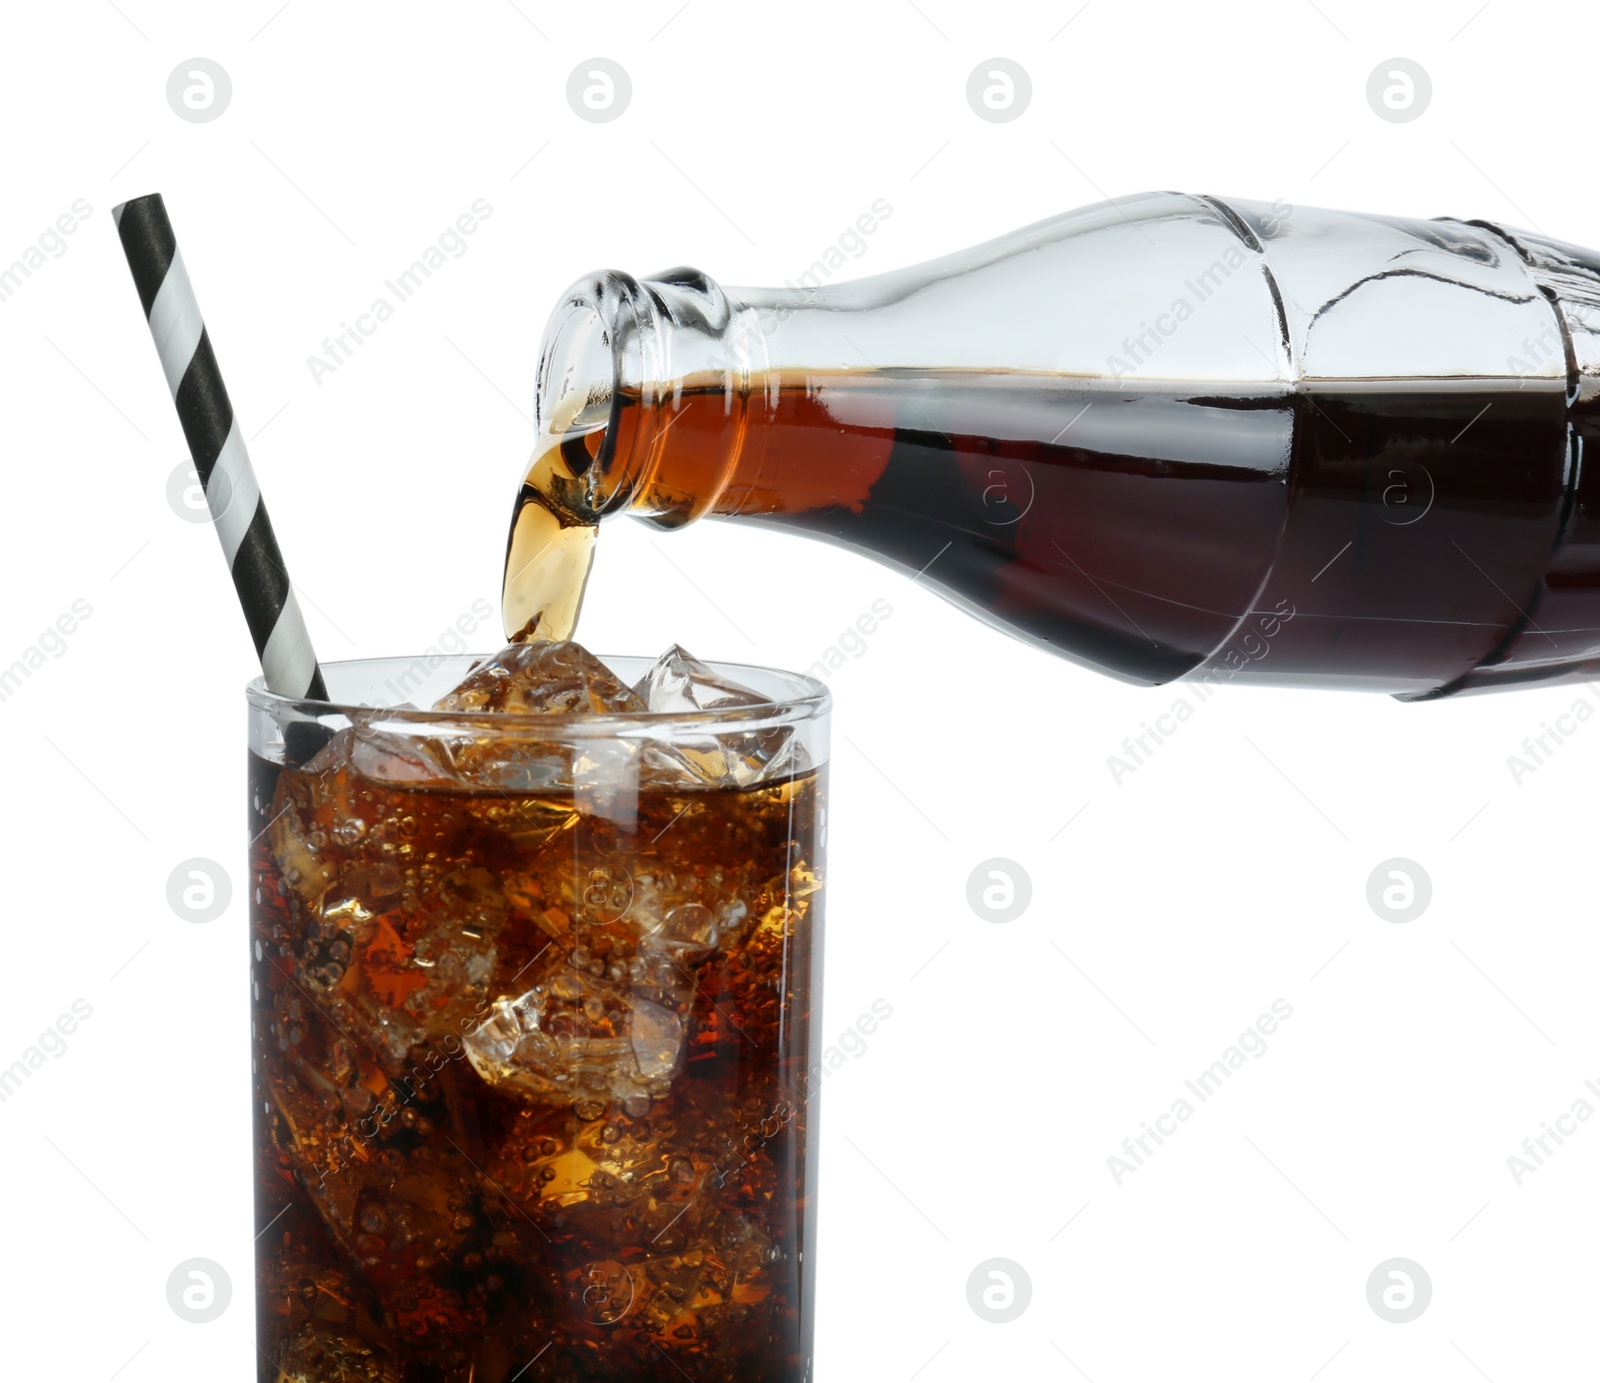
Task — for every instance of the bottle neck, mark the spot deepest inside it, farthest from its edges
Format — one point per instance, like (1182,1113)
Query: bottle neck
(671,398)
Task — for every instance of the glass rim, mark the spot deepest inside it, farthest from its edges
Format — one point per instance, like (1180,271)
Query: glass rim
(810,699)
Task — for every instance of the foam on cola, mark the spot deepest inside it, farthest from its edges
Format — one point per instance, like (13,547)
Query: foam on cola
(530,1054)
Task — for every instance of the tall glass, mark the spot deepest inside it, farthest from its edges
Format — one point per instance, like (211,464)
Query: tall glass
(532,1033)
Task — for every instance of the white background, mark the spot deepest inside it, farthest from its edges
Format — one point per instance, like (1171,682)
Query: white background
(1229,871)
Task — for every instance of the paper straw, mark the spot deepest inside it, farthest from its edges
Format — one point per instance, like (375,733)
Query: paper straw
(218,451)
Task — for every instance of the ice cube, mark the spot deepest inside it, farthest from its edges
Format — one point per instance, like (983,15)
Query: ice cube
(395,905)
(544,678)
(656,1036)
(374,1158)
(586,1041)
(411,760)
(678,682)
(383,756)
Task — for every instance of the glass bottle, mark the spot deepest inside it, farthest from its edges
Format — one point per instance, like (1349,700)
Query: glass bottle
(1168,436)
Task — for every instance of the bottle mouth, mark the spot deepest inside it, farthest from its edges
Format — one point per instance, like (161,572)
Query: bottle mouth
(589,356)
(622,360)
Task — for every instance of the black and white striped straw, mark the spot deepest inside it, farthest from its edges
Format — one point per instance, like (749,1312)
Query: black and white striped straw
(218,451)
